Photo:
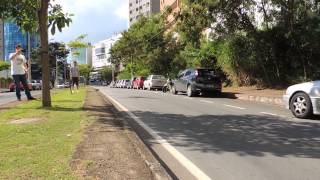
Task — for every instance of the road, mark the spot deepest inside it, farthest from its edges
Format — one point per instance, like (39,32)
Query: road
(10,97)
(223,139)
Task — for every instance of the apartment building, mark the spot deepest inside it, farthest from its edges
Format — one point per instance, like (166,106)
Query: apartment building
(139,8)
(101,52)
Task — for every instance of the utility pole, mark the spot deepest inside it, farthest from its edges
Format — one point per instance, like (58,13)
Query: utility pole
(29,57)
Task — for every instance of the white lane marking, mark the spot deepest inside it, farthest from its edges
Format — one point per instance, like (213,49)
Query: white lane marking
(205,101)
(272,114)
(192,168)
(188,98)
(236,107)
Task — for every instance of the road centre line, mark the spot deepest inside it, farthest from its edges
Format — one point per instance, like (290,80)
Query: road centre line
(192,168)
(236,107)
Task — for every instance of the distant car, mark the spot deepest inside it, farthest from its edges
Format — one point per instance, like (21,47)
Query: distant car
(131,82)
(138,82)
(36,84)
(126,84)
(12,87)
(196,81)
(61,86)
(154,82)
(303,99)
(112,84)
(104,83)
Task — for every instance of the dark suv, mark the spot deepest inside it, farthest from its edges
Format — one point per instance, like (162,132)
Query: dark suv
(196,81)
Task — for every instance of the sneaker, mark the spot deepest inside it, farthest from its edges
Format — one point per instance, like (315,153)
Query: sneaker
(32,98)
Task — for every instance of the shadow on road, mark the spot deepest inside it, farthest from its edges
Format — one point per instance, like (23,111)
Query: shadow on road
(242,134)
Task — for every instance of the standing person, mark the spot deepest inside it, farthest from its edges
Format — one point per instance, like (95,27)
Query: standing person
(18,71)
(75,74)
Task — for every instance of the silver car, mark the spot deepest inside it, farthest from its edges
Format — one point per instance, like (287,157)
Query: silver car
(303,99)
(154,82)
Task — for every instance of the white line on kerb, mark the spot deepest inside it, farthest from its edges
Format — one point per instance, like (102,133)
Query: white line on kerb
(236,107)
(210,102)
(271,114)
(192,168)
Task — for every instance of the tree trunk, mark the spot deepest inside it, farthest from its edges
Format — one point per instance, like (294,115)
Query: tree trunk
(44,56)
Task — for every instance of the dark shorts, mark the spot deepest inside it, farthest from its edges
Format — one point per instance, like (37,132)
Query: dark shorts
(75,80)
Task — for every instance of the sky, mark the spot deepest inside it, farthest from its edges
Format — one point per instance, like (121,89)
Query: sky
(99,19)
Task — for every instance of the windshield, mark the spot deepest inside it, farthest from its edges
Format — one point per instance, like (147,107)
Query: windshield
(158,77)
(205,72)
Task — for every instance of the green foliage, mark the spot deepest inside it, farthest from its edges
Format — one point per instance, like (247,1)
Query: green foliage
(85,71)
(106,74)
(4,65)
(77,44)
(146,48)
(278,47)
(124,75)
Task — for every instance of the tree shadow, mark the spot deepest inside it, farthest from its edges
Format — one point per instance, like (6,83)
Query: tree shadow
(245,135)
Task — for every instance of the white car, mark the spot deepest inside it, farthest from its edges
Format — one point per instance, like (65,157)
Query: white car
(36,85)
(154,82)
(303,99)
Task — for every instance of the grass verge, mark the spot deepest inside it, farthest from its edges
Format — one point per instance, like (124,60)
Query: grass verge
(42,150)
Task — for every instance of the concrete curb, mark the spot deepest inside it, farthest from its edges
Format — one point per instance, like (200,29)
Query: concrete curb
(263,99)
(157,170)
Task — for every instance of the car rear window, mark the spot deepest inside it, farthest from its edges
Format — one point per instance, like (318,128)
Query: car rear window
(158,77)
(205,72)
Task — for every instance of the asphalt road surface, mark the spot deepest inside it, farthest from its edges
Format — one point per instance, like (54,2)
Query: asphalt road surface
(11,96)
(224,139)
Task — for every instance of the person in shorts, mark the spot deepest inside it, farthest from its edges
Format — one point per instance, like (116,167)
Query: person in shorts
(19,68)
(75,75)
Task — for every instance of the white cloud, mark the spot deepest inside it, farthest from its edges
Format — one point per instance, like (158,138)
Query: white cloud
(123,10)
(97,18)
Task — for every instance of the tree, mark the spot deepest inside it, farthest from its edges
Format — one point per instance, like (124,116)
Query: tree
(77,44)
(4,65)
(106,74)
(146,47)
(32,16)
(85,71)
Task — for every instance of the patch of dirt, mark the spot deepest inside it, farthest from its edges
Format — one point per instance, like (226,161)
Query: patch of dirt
(106,151)
(26,121)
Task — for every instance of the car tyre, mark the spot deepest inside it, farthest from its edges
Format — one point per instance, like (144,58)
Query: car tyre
(174,90)
(190,93)
(300,105)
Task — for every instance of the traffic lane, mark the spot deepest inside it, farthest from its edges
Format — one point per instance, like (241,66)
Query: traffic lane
(6,98)
(252,107)
(249,145)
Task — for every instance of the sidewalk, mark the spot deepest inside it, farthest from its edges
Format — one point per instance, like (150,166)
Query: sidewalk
(4,90)
(270,96)
(111,149)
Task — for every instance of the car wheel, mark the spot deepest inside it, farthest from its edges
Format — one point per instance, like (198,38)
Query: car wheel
(174,90)
(190,93)
(300,105)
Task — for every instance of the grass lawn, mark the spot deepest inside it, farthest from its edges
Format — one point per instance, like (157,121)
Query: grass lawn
(42,150)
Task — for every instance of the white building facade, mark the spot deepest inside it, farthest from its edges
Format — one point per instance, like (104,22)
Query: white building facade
(101,52)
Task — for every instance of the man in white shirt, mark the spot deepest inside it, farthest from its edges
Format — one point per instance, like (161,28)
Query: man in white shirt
(18,71)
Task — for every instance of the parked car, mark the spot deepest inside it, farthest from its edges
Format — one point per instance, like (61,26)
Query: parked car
(12,87)
(154,82)
(303,99)
(131,82)
(112,84)
(126,84)
(36,84)
(138,82)
(196,81)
